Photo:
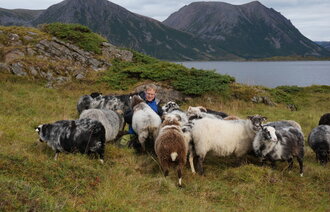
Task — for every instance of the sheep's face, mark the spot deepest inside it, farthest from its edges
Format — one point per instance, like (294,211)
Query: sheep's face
(196,111)
(269,134)
(136,99)
(170,106)
(323,156)
(257,121)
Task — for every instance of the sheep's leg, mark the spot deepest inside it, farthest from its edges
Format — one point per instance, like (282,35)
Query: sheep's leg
(180,175)
(191,162)
(56,154)
(273,164)
(191,158)
(301,166)
(101,154)
(290,161)
(200,165)
(142,139)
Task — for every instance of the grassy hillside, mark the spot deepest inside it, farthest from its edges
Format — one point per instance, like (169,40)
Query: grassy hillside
(30,180)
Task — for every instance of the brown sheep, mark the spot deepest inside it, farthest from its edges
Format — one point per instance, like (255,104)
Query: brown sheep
(170,146)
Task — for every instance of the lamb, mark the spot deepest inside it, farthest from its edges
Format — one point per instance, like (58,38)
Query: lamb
(319,141)
(145,121)
(112,121)
(173,108)
(289,144)
(83,135)
(224,137)
(170,146)
(325,119)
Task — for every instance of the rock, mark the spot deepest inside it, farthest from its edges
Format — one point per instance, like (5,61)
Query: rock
(263,99)
(18,69)
(33,71)
(4,68)
(80,76)
(14,54)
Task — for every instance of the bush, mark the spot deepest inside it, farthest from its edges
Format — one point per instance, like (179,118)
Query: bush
(76,34)
(189,81)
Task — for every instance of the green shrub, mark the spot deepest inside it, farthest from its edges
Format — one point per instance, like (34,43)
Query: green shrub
(76,34)
(189,81)
(290,89)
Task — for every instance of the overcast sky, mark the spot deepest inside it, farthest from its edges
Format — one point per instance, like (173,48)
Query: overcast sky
(311,17)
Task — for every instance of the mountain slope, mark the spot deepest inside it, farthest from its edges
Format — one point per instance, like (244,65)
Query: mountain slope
(127,29)
(18,16)
(248,30)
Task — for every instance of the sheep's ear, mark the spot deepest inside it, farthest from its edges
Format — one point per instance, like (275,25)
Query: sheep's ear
(264,118)
(203,109)
(189,108)
(120,112)
(250,117)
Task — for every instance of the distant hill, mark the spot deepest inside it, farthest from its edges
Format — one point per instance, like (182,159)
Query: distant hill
(325,44)
(126,29)
(20,17)
(248,30)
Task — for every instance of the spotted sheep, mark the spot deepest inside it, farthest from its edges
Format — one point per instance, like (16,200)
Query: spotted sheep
(83,135)
(319,141)
(287,144)
(172,107)
(98,101)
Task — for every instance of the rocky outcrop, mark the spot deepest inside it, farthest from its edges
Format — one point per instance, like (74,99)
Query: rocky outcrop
(52,59)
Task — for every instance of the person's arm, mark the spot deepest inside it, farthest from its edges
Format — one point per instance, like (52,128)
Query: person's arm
(160,110)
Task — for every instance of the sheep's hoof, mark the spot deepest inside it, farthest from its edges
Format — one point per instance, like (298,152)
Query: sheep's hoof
(102,161)
(301,174)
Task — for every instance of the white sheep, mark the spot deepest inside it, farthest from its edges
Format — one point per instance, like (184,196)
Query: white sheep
(173,108)
(145,121)
(224,137)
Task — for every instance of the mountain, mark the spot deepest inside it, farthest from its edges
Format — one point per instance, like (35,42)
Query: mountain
(324,44)
(126,29)
(250,30)
(20,17)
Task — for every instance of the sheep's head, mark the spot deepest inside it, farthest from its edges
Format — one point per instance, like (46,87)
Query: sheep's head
(196,111)
(136,99)
(257,121)
(170,106)
(171,119)
(322,154)
(269,133)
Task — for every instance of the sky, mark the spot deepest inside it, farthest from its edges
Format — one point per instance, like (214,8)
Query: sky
(310,17)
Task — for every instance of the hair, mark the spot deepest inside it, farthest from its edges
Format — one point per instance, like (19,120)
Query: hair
(151,86)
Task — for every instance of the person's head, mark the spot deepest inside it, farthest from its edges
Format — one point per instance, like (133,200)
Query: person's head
(150,92)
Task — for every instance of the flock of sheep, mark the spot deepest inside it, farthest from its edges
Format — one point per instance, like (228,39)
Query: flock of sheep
(180,135)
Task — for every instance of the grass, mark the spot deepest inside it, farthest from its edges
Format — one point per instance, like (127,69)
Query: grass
(30,180)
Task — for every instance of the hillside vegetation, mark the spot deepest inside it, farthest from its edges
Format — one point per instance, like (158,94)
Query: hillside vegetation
(30,180)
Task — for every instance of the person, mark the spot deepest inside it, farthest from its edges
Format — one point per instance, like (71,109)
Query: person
(149,96)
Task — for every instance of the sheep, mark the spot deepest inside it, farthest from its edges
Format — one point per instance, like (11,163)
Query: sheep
(289,144)
(325,119)
(173,108)
(112,121)
(319,141)
(284,123)
(170,146)
(83,135)
(224,137)
(145,121)
(98,101)
(201,112)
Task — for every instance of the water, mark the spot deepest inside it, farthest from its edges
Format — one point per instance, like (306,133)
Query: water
(271,74)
